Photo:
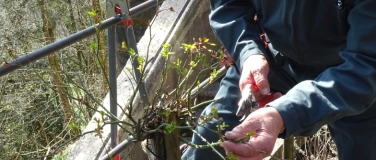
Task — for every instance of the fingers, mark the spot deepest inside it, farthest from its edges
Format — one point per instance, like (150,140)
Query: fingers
(257,157)
(260,76)
(234,134)
(267,123)
(255,149)
(255,76)
(277,95)
(239,149)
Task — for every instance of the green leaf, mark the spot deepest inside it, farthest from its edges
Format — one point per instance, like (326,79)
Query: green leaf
(213,74)
(139,68)
(222,126)
(201,57)
(167,112)
(72,126)
(178,62)
(128,69)
(214,112)
(92,13)
(131,52)
(124,46)
(171,127)
(193,64)
(231,156)
(249,135)
(93,46)
(166,45)
(165,52)
(187,47)
(140,60)
(185,71)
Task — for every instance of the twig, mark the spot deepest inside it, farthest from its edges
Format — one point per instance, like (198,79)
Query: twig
(243,140)
(166,124)
(48,151)
(263,152)
(199,146)
(206,83)
(211,146)
(58,147)
(201,104)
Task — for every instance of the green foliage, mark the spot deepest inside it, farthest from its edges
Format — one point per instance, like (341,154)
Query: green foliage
(141,62)
(214,112)
(165,51)
(31,114)
(222,127)
(92,13)
(30,109)
(231,156)
(171,127)
(167,113)
(193,64)
(249,135)
(140,59)
(124,46)
(189,47)
(94,46)
(131,52)
(213,115)
(213,74)
(74,127)
(61,156)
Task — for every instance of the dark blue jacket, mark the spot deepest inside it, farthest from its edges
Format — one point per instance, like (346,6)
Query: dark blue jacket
(317,33)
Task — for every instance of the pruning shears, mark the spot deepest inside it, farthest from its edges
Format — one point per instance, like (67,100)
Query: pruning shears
(248,103)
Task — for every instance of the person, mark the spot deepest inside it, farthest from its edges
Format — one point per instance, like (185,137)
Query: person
(321,58)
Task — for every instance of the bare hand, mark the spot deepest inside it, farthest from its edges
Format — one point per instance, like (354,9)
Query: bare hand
(267,123)
(255,72)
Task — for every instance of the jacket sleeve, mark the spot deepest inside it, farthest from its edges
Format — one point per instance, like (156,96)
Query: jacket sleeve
(234,25)
(346,90)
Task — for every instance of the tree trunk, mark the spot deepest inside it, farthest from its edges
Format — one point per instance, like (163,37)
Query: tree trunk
(72,28)
(166,145)
(52,59)
(289,148)
(100,39)
(172,140)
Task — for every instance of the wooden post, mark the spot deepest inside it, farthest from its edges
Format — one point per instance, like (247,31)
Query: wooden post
(289,148)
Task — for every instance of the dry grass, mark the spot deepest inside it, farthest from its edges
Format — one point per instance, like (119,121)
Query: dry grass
(317,147)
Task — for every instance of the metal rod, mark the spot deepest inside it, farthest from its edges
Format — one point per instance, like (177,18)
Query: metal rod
(112,78)
(118,149)
(144,6)
(132,44)
(8,67)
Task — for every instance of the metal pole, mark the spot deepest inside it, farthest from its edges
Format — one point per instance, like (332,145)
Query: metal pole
(118,149)
(131,40)
(8,67)
(132,44)
(112,78)
(144,6)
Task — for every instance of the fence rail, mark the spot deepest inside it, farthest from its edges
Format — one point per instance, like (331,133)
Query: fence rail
(10,66)
(115,17)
